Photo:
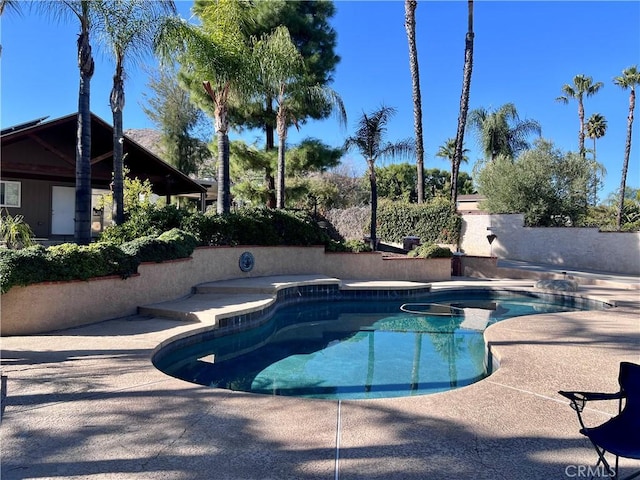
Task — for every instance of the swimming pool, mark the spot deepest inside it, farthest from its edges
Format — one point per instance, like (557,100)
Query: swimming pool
(354,349)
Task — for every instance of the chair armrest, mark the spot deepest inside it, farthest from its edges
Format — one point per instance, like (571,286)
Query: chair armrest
(588,396)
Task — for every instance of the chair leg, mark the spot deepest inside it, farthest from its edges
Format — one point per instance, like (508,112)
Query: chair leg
(610,472)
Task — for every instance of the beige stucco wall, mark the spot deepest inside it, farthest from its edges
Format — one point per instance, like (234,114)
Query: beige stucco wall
(373,266)
(52,306)
(578,248)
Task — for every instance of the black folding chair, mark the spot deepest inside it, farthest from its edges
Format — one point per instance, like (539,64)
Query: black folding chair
(619,436)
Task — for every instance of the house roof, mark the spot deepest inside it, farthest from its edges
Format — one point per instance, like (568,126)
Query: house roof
(58,137)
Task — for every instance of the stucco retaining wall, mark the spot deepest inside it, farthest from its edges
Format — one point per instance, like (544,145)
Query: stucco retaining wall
(52,306)
(575,248)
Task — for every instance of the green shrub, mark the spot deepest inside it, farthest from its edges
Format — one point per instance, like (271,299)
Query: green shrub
(15,232)
(430,250)
(353,246)
(62,262)
(145,221)
(112,260)
(433,222)
(170,245)
(180,243)
(147,249)
(73,262)
(23,267)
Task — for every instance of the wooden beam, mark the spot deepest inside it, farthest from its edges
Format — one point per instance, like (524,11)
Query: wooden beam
(102,157)
(54,150)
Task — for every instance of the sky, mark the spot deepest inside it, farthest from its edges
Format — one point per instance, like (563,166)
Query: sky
(524,52)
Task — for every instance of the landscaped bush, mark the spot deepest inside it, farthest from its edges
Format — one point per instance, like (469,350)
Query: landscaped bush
(430,250)
(23,267)
(119,254)
(352,246)
(433,222)
(247,226)
(62,262)
(144,221)
(170,245)
(256,226)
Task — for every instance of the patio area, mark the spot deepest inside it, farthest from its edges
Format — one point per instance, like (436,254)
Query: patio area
(87,403)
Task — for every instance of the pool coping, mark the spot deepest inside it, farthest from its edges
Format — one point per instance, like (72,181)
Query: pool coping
(86,403)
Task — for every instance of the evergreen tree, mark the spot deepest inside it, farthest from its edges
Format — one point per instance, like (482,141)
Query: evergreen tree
(182,124)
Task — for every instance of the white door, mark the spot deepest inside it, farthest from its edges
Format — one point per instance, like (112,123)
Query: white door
(63,210)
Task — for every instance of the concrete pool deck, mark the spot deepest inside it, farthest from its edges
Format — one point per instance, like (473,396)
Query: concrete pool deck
(87,403)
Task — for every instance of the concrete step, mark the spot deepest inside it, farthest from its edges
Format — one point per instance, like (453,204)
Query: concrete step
(207,308)
(263,285)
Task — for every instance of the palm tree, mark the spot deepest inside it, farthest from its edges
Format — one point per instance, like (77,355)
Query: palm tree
(582,85)
(282,77)
(629,79)
(216,66)
(410,25)
(501,132)
(85,11)
(130,28)
(9,5)
(596,128)
(368,140)
(464,103)
(448,150)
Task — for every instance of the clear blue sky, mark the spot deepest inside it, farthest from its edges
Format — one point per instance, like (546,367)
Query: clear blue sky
(524,53)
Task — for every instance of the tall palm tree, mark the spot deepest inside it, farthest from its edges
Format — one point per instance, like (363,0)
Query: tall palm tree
(464,103)
(216,66)
(368,140)
(282,77)
(501,132)
(596,128)
(85,12)
(629,79)
(582,86)
(130,28)
(410,25)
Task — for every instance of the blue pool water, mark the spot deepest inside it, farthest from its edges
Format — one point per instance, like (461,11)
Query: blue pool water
(357,349)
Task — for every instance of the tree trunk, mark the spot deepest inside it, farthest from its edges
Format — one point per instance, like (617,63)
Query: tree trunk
(627,154)
(410,25)
(271,188)
(374,204)
(281,126)
(270,145)
(82,230)
(224,196)
(117,105)
(581,150)
(464,106)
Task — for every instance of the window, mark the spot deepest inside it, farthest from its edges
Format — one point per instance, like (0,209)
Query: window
(9,194)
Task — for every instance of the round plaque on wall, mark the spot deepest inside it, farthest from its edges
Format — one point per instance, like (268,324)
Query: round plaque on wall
(246,262)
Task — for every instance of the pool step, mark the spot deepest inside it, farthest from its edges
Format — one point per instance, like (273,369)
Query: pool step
(265,285)
(207,308)
(224,298)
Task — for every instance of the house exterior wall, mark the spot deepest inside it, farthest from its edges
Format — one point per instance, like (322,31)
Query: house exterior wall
(52,306)
(577,248)
(35,204)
